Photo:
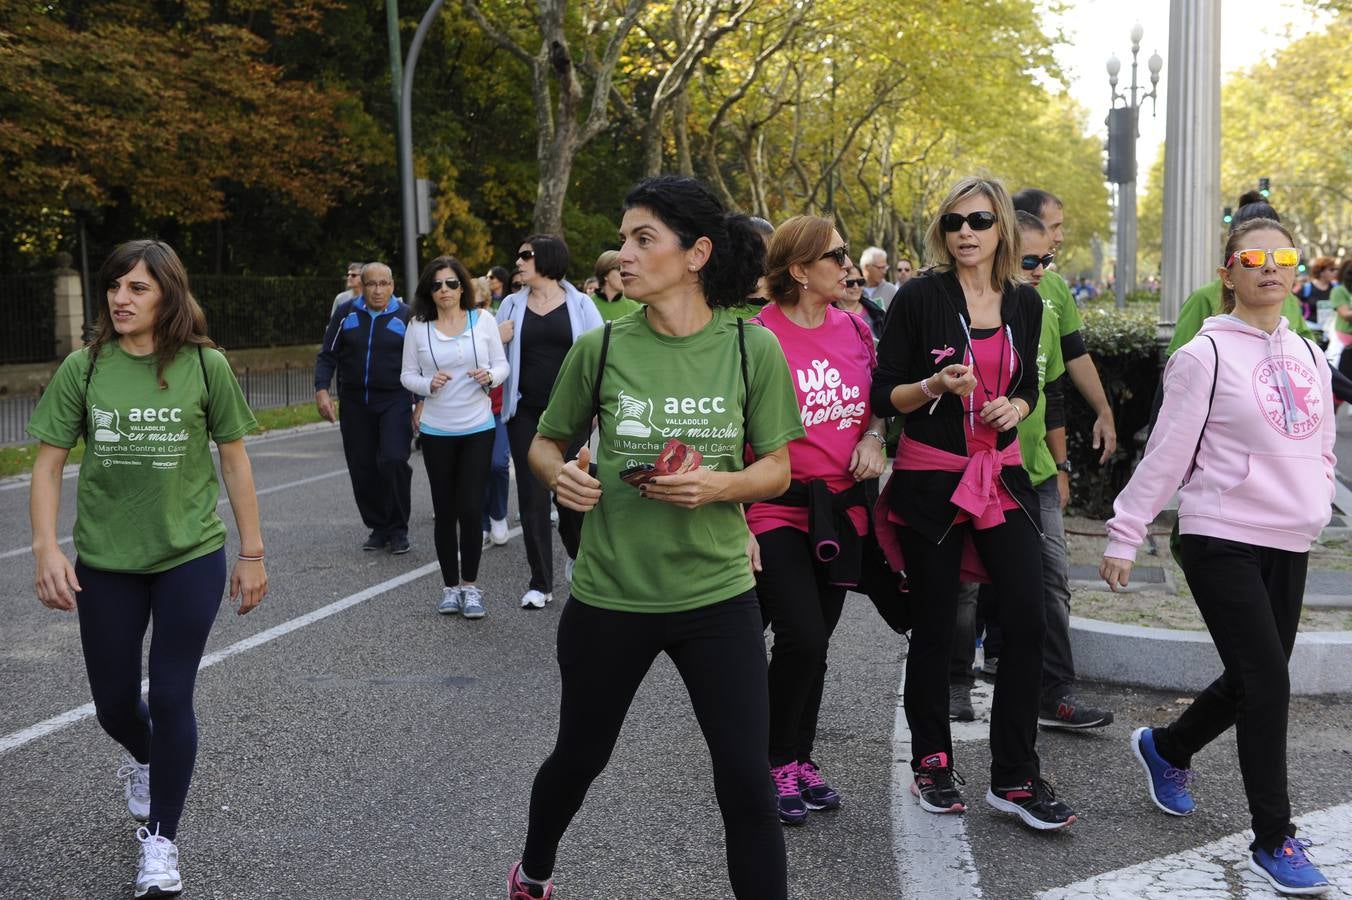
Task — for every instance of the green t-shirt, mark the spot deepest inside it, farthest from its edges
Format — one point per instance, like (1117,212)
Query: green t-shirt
(646,555)
(1054,288)
(146,498)
(1205,302)
(1338,298)
(1037,456)
(611,310)
(746,310)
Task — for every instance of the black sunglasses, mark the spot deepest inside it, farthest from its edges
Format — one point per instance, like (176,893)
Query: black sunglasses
(526,254)
(854,282)
(840,255)
(452,284)
(979,220)
(1031,262)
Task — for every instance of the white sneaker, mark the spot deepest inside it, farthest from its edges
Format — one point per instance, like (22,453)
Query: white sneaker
(136,787)
(568,570)
(487,542)
(534,599)
(158,876)
(554,515)
(497,530)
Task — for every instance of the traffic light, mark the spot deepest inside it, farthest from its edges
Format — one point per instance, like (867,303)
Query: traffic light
(1121,145)
(1228,215)
(1265,186)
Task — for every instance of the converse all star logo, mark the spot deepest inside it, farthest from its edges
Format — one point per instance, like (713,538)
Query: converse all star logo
(1288,394)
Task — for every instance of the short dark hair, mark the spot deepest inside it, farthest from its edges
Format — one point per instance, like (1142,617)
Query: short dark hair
(551,255)
(691,210)
(1251,197)
(1032,200)
(502,275)
(424,307)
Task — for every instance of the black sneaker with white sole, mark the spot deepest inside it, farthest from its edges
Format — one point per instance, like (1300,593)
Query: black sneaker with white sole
(1070,714)
(935,785)
(1034,802)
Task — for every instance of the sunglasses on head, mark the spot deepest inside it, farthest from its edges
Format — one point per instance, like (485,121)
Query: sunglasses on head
(979,220)
(1285,257)
(525,254)
(854,282)
(1032,261)
(839,254)
(452,284)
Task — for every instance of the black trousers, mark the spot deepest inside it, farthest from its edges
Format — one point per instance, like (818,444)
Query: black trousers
(1250,598)
(803,608)
(376,442)
(532,500)
(456,470)
(719,651)
(1012,555)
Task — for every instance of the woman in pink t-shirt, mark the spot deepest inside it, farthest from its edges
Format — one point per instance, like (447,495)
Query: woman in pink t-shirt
(805,545)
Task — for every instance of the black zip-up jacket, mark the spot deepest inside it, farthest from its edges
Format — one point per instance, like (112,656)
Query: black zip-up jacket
(367,350)
(924,319)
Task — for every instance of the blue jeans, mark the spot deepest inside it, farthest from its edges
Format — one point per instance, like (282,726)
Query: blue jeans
(499,475)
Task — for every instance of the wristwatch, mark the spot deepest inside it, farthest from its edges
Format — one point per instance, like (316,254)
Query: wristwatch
(1064,466)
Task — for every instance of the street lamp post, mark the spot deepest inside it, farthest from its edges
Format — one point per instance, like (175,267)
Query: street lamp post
(1123,129)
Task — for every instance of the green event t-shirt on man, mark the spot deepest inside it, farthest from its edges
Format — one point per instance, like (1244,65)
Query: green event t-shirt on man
(1054,288)
(1340,297)
(1037,456)
(146,498)
(648,556)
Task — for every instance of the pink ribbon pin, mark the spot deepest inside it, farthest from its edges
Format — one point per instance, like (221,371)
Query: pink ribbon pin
(941,355)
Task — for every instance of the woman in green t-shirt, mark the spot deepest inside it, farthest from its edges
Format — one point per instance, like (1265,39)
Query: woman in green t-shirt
(662,566)
(146,395)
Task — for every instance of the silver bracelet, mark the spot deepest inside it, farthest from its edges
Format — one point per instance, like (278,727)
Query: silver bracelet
(925,389)
(873,434)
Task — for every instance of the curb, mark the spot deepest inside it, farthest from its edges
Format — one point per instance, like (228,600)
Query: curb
(1168,659)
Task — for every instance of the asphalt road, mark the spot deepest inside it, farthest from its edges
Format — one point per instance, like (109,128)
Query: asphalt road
(385,750)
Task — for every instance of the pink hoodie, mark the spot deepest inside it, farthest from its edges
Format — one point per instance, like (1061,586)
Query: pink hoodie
(1264,472)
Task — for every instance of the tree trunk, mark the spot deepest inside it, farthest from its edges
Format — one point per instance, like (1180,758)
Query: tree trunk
(685,164)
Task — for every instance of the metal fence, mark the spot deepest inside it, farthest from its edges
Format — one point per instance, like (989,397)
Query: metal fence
(268,389)
(27,307)
(248,311)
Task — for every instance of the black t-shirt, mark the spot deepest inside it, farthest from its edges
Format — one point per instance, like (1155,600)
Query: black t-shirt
(1310,297)
(545,341)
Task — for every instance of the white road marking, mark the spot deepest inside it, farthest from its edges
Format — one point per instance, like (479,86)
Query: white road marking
(224,501)
(1219,870)
(950,872)
(80,713)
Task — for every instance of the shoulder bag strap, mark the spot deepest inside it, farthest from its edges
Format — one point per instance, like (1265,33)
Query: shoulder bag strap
(600,371)
(1215,376)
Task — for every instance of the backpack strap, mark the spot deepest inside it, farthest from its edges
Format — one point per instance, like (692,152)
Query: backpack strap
(600,371)
(1215,376)
(84,400)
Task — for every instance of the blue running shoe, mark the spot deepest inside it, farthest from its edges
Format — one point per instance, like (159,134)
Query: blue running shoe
(817,794)
(1289,870)
(450,601)
(1168,785)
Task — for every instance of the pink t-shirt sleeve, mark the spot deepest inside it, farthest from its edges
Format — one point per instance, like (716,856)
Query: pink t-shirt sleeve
(831,367)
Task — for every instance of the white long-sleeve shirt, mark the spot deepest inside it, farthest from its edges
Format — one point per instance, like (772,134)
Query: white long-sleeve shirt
(460,406)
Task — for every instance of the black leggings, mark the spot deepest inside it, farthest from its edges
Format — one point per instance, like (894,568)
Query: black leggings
(456,470)
(1012,556)
(803,608)
(115,609)
(1250,598)
(532,501)
(719,651)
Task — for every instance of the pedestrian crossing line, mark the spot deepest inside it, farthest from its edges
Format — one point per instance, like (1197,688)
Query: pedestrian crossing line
(949,872)
(1219,870)
(80,713)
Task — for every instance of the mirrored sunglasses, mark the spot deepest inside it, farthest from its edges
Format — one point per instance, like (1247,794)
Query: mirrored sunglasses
(452,284)
(1285,257)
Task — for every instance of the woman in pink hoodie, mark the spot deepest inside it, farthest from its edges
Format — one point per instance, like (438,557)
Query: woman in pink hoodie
(1247,428)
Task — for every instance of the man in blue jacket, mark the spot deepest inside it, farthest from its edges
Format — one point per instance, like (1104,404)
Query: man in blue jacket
(364,343)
